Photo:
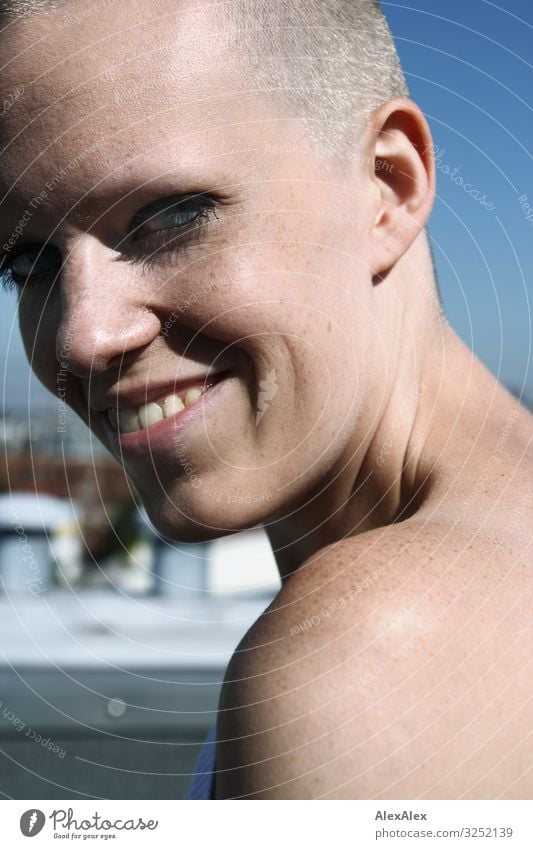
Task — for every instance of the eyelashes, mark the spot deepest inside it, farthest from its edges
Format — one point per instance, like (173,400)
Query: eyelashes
(24,261)
(6,280)
(160,231)
(147,249)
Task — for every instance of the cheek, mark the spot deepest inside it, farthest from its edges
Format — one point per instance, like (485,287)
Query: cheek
(288,306)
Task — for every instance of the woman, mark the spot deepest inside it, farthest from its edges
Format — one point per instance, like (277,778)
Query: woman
(214,220)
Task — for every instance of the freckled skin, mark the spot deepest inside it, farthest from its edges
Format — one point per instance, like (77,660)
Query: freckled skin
(391,470)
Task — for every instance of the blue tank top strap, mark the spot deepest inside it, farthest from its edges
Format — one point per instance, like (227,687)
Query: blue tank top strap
(202,784)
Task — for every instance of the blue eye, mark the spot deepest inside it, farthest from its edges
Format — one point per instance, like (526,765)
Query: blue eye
(168,214)
(168,227)
(27,262)
(171,218)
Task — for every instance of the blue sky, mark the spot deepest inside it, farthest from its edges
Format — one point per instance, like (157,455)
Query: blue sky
(466,65)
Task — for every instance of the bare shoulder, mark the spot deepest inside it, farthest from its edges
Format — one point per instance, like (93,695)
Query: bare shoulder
(389,666)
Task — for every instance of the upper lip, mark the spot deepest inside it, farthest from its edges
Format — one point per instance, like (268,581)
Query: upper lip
(135,396)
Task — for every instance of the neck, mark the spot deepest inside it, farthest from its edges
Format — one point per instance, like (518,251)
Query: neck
(386,476)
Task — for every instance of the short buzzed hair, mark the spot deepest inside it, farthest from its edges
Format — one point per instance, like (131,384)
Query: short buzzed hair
(330,61)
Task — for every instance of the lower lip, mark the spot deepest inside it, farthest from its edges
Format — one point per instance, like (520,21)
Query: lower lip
(157,438)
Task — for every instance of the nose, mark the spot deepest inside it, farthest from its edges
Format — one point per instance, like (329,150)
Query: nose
(104,313)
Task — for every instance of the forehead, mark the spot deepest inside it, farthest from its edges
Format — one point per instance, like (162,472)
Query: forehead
(146,84)
(63,54)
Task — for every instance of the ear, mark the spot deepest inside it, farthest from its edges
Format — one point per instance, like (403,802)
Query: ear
(399,147)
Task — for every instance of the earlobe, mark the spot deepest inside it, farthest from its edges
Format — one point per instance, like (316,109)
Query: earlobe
(404,177)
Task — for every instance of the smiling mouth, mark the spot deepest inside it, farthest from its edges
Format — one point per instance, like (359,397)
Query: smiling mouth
(131,420)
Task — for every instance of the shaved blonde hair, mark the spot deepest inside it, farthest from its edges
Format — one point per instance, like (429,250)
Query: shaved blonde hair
(331,62)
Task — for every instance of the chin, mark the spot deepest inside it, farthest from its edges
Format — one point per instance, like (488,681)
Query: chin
(202,522)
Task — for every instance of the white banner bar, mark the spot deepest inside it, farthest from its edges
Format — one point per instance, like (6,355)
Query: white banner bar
(255,825)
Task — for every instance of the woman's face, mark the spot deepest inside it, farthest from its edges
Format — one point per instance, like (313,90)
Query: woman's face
(199,234)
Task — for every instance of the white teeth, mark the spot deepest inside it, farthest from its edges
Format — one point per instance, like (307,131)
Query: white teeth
(129,421)
(150,414)
(172,405)
(192,395)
